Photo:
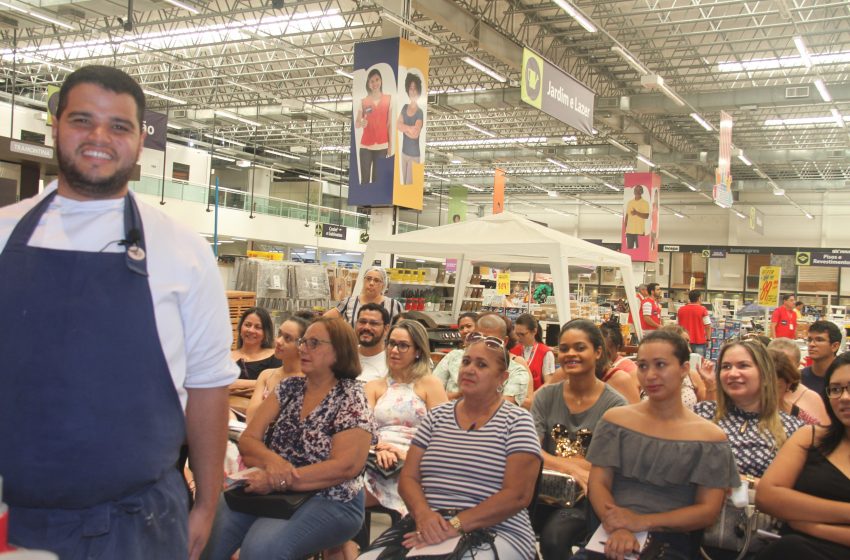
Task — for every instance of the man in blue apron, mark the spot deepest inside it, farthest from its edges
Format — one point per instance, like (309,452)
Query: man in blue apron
(114,337)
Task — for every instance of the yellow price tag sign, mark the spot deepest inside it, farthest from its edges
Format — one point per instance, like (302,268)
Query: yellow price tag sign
(769,277)
(503,283)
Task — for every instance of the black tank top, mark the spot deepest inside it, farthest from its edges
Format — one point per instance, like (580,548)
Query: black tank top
(821,478)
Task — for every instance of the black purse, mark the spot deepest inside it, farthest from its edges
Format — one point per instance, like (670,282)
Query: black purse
(372,464)
(391,541)
(276,505)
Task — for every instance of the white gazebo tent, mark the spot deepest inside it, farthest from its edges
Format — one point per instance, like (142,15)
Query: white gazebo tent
(505,238)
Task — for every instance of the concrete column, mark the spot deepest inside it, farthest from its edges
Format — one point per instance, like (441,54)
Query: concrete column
(646,151)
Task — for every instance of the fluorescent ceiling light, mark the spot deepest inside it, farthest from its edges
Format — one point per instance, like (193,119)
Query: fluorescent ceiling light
(481,142)
(569,138)
(163,96)
(221,139)
(678,215)
(37,15)
(183,6)
(804,52)
(477,128)
(824,93)
(434,176)
(799,121)
(778,192)
(559,164)
(576,15)
(744,159)
(552,194)
(704,123)
(809,216)
(665,172)
(235,117)
(281,154)
(612,187)
(618,145)
(722,205)
(329,166)
(632,61)
(767,64)
(472,188)
(671,94)
(342,72)
(690,186)
(243,86)
(761,173)
(389,16)
(225,158)
(484,68)
(739,214)
(839,120)
(173,126)
(645,160)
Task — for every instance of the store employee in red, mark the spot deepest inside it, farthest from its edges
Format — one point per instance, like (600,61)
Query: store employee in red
(694,318)
(650,311)
(784,320)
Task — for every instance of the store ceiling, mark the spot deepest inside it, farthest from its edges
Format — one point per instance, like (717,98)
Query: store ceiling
(278,67)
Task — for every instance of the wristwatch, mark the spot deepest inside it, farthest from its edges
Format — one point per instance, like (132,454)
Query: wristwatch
(456,524)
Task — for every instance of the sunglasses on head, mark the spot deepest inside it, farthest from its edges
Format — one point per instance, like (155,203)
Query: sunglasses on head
(492,342)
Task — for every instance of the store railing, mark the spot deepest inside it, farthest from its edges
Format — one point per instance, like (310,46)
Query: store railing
(240,200)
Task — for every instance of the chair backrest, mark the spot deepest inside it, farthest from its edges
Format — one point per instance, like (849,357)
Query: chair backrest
(532,506)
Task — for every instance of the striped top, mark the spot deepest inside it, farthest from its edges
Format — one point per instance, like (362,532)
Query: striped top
(461,469)
(350,307)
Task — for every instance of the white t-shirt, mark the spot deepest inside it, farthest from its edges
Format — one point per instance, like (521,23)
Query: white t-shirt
(190,306)
(374,367)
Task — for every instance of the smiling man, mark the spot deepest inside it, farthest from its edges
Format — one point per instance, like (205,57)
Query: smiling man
(116,345)
(373,322)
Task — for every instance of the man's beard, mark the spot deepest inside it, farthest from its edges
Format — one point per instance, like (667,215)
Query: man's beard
(374,341)
(79,182)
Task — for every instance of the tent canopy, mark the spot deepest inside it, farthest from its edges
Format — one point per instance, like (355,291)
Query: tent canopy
(506,238)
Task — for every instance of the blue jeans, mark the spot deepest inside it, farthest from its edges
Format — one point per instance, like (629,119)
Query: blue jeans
(319,524)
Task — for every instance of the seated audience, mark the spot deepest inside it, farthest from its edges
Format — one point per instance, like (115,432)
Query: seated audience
(565,416)
(285,350)
(747,407)
(693,387)
(487,325)
(808,485)
(254,349)
(615,344)
(657,466)
(472,465)
(802,396)
(373,323)
(788,378)
(823,342)
(538,356)
(313,433)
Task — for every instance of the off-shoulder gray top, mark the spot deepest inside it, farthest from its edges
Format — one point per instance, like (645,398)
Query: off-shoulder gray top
(654,475)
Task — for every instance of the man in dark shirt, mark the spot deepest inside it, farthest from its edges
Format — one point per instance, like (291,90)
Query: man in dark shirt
(823,342)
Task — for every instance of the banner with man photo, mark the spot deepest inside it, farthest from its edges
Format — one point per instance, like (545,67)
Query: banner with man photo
(641,203)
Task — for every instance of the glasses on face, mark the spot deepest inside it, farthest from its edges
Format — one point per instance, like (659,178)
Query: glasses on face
(492,342)
(366,322)
(402,345)
(311,343)
(835,391)
(372,280)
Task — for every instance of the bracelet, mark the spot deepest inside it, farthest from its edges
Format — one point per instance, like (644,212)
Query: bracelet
(456,524)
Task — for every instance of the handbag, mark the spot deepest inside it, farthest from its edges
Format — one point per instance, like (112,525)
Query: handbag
(737,529)
(276,505)
(372,463)
(558,489)
(393,549)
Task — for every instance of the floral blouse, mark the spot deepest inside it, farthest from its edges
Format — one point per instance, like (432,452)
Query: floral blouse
(308,441)
(754,450)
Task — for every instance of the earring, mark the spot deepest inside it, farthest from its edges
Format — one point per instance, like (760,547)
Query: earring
(417,356)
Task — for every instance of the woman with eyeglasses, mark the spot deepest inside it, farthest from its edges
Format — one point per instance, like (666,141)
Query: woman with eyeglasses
(808,485)
(375,284)
(285,350)
(399,401)
(312,434)
(538,356)
(657,466)
(470,470)
(748,407)
(565,415)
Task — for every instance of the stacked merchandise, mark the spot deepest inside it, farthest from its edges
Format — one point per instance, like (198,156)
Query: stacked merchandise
(284,286)
(721,330)
(238,302)
(341,282)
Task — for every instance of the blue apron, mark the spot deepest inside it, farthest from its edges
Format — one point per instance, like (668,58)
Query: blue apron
(90,421)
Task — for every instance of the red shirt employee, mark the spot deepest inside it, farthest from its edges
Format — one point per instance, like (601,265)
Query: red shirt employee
(784,319)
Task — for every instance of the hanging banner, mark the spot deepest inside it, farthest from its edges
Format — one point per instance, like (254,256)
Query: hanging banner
(641,201)
(769,285)
(411,119)
(556,93)
(457,204)
(723,173)
(389,115)
(755,220)
(155,126)
(373,131)
(499,191)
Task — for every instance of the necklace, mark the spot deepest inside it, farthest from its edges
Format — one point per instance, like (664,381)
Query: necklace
(579,399)
(481,419)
